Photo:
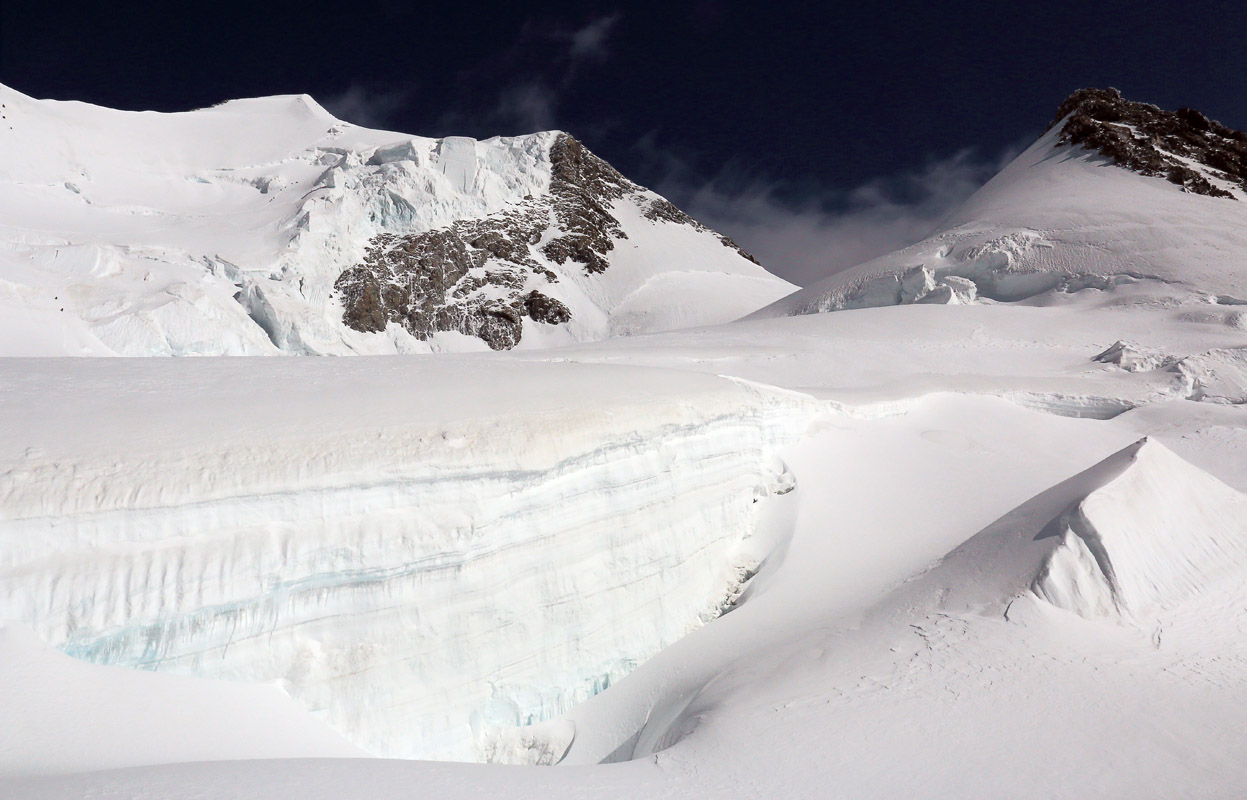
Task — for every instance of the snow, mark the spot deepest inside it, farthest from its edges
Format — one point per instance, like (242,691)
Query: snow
(961,425)
(983,536)
(222,231)
(456,158)
(1056,218)
(70,716)
(351,549)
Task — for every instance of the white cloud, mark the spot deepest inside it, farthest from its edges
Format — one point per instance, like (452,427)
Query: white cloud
(366,108)
(590,41)
(808,240)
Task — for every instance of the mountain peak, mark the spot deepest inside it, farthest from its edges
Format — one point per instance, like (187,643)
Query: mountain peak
(1185,147)
(484,276)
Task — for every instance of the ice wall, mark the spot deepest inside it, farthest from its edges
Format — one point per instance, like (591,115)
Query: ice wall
(419,585)
(456,157)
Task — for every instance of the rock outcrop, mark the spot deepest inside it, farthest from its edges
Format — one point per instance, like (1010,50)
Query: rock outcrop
(1176,145)
(482,277)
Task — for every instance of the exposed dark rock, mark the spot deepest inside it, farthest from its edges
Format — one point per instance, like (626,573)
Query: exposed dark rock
(543,308)
(432,282)
(663,209)
(499,325)
(1155,142)
(449,279)
(583,186)
(364,311)
(727,242)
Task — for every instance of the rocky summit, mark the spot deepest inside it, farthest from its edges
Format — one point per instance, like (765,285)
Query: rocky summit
(1184,146)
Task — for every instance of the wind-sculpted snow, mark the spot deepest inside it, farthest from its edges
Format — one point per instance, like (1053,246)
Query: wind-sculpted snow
(419,575)
(267,226)
(1140,532)
(1155,535)
(1214,376)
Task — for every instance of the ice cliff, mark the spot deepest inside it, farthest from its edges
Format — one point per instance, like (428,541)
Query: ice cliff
(354,548)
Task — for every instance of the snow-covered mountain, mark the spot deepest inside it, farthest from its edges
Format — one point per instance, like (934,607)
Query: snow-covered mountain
(1115,192)
(982,535)
(267,226)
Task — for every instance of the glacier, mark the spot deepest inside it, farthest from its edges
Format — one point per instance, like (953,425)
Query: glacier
(358,559)
(982,536)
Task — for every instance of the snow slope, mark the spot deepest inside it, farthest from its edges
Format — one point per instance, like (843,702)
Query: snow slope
(1057,218)
(70,716)
(950,548)
(222,231)
(838,677)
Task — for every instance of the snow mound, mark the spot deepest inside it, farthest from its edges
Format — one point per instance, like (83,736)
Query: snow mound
(1062,217)
(1213,376)
(1141,531)
(1134,357)
(1216,376)
(1158,533)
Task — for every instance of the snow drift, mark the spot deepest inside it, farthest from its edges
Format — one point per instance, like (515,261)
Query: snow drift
(1218,375)
(1140,532)
(62,715)
(1158,533)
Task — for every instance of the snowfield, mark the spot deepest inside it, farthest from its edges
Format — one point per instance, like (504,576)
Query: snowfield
(979,531)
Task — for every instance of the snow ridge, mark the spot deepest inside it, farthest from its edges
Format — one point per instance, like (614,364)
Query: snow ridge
(1160,532)
(1140,532)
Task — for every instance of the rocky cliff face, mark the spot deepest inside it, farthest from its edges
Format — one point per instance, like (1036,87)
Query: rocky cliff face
(1183,146)
(482,277)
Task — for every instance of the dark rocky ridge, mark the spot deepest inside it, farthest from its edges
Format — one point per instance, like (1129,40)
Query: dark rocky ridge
(663,209)
(583,185)
(1152,141)
(474,276)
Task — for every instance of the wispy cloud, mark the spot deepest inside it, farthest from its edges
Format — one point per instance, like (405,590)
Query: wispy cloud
(826,231)
(530,105)
(520,88)
(590,40)
(370,109)
(548,59)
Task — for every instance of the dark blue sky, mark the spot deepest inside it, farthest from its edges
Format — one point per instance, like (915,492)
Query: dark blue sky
(814,133)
